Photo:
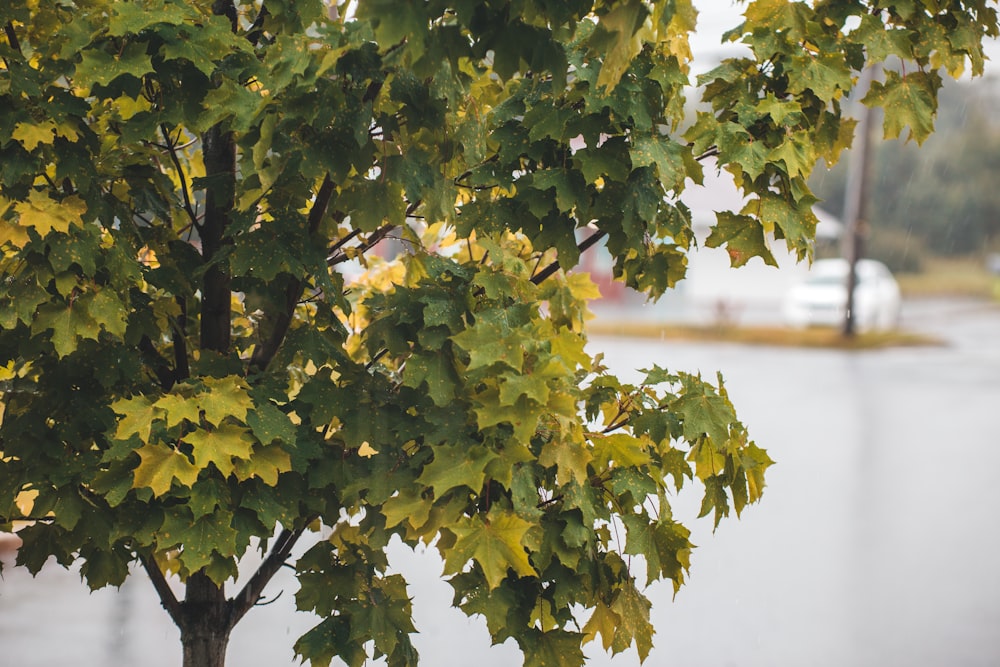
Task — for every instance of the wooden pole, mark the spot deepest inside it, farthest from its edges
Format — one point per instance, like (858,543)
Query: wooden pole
(856,196)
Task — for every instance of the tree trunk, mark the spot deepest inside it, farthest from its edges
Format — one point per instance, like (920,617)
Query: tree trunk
(205,623)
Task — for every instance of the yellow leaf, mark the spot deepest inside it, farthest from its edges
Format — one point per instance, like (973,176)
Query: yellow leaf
(32,135)
(220,446)
(160,466)
(137,417)
(604,621)
(495,541)
(227,397)
(265,463)
(45,214)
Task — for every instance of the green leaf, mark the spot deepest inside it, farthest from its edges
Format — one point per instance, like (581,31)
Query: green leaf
(491,342)
(569,458)
(704,411)
(908,101)
(270,423)
(67,323)
(743,237)
(632,608)
(100,68)
(664,544)
(554,648)
(454,466)
(211,534)
(436,372)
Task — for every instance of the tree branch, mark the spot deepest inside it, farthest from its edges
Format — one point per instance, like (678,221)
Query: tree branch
(219,153)
(12,38)
(245,600)
(163,590)
(164,374)
(582,246)
(265,351)
(171,148)
(181,368)
(256,29)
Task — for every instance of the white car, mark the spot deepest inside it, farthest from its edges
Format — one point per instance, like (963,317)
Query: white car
(821,299)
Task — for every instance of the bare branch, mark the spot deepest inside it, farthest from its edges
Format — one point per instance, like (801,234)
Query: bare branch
(163,590)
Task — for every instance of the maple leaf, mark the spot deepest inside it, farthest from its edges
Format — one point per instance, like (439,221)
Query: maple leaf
(603,621)
(159,466)
(743,237)
(31,135)
(226,397)
(908,101)
(45,214)
(264,463)
(632,608)
(495,541)
(622,22)
(220,446)
(456,465)
(569,457)
(138,414)
(664,544)
(621,449)
(436,371)
(553,648)
(704,411)
(490,342)
(211,534)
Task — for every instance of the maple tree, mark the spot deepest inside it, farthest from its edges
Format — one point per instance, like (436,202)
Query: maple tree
(186,375)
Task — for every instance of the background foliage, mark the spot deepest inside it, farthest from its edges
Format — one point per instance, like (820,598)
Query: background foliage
(938,198)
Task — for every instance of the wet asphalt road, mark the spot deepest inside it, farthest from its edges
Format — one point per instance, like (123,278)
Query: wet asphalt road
(875,544)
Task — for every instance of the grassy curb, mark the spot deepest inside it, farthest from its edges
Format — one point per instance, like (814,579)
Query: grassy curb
(762,335)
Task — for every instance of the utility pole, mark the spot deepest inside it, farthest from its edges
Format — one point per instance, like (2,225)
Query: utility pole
(856,195)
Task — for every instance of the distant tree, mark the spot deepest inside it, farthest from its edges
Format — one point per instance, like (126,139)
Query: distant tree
(186,375)
(938,195)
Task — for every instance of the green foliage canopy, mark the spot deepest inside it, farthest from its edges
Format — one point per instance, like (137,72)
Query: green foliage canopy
(186,375)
